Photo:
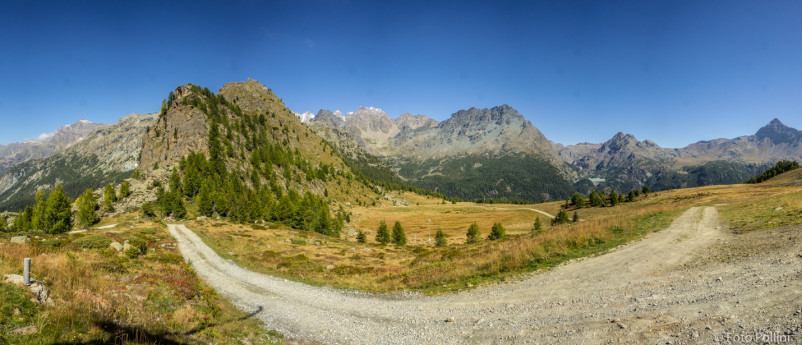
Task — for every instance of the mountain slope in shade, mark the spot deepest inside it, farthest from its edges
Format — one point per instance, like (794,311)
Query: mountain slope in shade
(107,155)
(62,138)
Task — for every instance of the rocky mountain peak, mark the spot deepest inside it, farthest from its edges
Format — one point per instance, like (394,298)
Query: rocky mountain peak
(253,97)
(619,142)
(503,114)
(779,133)
(329,118)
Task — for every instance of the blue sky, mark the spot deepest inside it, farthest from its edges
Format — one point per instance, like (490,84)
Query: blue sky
(671,71)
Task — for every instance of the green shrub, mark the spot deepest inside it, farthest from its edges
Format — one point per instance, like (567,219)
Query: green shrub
(93,242)
(52,243)
(149,231)
(298,241)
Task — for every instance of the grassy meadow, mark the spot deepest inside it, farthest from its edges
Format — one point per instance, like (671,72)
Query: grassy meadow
(421,266)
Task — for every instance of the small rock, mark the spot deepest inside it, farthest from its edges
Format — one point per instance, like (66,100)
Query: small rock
(16,311)
(707,328)
(20,239)
(201,218)
(315,242)
(116,245)
(719,279)
(288,240)
(450,319)
(367,250)
(127,246)
(622,326)
(28,330)
(330,267)
(695,334)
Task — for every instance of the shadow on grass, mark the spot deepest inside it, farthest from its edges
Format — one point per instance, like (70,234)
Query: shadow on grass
(127,334)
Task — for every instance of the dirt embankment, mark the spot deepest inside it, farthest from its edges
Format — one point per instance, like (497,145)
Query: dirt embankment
(690,283)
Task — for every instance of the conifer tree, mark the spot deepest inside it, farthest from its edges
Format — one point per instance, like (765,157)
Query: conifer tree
(175,182)
(538,225)
(382,234)
(473,235)
(125,190)
(561,218)
(595,199)
(399,237)
(3,223)
(578,200)
(440,238)
(87,204)
(38,218)
(206,200)
(108,198)
(497,232)
(361,237)
(58,212)
(613,198)
(575,218)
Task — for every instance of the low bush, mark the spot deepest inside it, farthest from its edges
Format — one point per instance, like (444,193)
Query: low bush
(93,242)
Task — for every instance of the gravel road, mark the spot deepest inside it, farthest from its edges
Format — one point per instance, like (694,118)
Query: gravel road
(693,282)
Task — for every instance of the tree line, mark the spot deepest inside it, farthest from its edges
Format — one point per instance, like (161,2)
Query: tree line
(779,168)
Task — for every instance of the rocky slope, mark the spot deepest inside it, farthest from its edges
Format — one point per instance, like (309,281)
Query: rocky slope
(62,138)
(626,163)
(460,155)
(107,155)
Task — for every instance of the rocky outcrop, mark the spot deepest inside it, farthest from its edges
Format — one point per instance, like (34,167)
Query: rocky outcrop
(180,129)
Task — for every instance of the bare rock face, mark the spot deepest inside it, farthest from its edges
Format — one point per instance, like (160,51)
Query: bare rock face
(253,97)
(179,130)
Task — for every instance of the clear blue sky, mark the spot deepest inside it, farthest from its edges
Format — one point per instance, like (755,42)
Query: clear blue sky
(672,71)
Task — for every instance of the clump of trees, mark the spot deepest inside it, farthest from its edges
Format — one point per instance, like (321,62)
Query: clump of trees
(779,168)
(52,215)
(561,218)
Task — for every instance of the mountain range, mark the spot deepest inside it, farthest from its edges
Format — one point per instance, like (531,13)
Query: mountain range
(490,153)
(447,156)
(50,144)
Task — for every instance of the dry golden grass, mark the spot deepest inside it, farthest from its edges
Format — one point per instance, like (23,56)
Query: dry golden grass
(101,296)
(343,263)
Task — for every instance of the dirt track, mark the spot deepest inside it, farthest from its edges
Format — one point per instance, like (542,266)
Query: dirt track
(691,283)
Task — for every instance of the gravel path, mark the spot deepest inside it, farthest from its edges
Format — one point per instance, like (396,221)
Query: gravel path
(679,285)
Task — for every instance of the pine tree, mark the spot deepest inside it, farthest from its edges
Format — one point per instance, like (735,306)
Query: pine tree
(178,208)
(562,218)
(38,217)
(108,198)
(361,237)
(575,218)
(440,238)
(125,190)
(3,223)
(497,232)
(645,190)
(58,212)
(595,199)
(631,196)
(578,200)
(175,182)
(399,237)
(473,235)
(613,198)
(206,200)
(382,234)
(87,204)
(538,225)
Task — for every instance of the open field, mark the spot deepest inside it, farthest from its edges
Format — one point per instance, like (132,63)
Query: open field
(98,295)
(420,266)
